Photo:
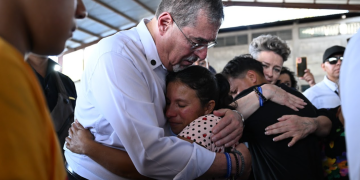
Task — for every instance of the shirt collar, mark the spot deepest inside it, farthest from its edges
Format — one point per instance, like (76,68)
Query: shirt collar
(333,86)
(152,56)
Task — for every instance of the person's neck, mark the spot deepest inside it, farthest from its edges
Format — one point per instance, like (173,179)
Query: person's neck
(333,79)
(13,28)
(39,64)
(260,80)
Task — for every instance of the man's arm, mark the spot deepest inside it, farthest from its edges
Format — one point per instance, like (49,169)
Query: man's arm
(248,104)
(82,142)
(308,77)
(299,127)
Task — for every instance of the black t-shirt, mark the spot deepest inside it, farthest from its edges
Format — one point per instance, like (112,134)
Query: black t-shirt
(275,160)
(48,85)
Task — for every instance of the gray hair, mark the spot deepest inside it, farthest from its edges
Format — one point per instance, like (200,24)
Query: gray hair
(269,43)
(185,12)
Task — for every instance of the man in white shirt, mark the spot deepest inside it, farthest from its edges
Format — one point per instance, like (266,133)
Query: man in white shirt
(326,93)
(122,94)
(350,102)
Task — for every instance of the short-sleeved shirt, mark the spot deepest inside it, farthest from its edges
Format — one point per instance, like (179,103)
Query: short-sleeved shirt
(200,131)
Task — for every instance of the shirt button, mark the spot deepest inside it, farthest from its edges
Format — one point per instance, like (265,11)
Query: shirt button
(153,62)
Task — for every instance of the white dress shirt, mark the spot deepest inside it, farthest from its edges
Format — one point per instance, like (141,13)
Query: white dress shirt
(322,95)
(350,104)
(122,101)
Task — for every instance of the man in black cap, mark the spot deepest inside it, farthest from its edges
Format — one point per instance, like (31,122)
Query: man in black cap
(326,93)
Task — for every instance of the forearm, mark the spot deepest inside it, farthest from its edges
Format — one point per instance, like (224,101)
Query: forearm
(114,160)
(219,167)
(324,125)
(248,104)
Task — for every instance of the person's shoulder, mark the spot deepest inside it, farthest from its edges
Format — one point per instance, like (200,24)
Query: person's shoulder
(207,118)
(291,90)
(64,78)
(315,90)
(118,41)
(68,83)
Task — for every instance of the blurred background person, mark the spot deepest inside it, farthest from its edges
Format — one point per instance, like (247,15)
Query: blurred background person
(287,77)
(350,102)
(308,77)
(59,91)
(29,147)
(326,93)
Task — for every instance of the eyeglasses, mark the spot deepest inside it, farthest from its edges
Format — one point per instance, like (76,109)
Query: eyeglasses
(196,46)
(334,60)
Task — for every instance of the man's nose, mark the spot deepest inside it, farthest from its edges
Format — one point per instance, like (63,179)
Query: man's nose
(202,53)
(338,62)
(170,112)
(269,73)
(80,12)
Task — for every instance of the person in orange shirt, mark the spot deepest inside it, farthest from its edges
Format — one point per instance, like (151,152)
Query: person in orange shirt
(29,147)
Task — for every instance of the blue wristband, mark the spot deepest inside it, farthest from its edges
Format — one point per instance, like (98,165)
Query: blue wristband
(260,98)
(228,159)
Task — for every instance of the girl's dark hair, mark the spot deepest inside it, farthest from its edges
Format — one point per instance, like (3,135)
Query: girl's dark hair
(207,85)
(287,71)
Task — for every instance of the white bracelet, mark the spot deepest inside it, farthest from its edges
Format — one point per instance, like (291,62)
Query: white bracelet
(242,117)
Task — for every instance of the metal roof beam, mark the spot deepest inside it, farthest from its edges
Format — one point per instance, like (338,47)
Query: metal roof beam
(115,11)
(77,41)
(102,22)
(88,32)
(295,5)
(84,45)
(144,6)
(70,50)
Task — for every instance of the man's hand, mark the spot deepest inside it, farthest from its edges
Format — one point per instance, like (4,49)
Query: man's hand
(280,96)
(229,130)
(79,138)
(292,126)
(308,77)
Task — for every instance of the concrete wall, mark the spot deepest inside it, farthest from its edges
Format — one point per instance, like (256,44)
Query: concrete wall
(312,48)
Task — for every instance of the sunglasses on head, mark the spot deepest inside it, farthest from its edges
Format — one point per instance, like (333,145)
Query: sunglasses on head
(334,60)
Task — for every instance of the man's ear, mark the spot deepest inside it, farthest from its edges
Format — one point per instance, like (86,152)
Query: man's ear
(323,66)
(209,107)
(251,75)
(164,22)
